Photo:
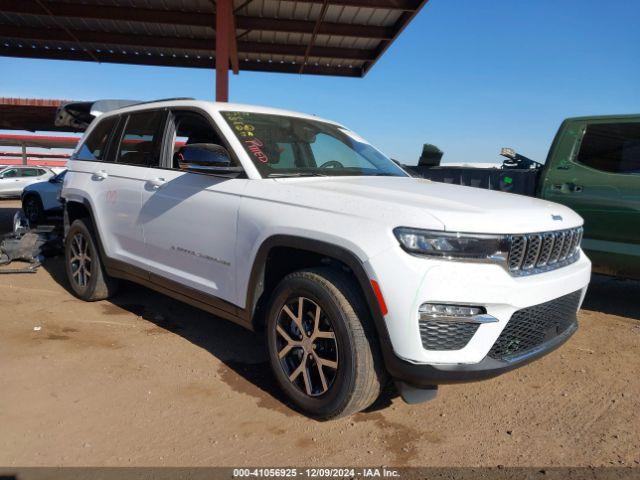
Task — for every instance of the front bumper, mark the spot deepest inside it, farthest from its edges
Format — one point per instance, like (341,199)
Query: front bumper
(490,286)
(425,376)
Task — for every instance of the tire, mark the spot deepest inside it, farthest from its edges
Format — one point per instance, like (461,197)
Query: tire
(349,362)
(33,209)
(86,274)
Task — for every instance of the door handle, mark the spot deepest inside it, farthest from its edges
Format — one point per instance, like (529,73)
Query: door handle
(156,183)
(99,175)
(567,188)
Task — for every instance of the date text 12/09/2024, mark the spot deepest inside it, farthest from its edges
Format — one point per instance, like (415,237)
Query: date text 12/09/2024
(316,472)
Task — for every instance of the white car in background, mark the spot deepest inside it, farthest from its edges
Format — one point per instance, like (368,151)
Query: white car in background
(43,198)
(13,179)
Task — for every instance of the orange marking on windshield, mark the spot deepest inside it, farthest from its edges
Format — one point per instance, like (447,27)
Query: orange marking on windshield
(254,146)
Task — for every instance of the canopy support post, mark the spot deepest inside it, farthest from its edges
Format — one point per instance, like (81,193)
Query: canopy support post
(224,27)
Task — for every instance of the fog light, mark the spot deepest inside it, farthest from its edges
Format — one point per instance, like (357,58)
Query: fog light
(454,313)
(438,309)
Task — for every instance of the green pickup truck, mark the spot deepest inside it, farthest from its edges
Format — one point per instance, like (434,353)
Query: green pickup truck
(593,167)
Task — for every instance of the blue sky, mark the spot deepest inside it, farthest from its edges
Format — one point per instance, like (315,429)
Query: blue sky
(470,76)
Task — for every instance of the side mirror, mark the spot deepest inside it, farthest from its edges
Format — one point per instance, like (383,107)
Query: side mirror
(205,158)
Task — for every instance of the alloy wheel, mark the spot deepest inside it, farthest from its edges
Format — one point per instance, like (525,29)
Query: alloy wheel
(80,260)
(306,346)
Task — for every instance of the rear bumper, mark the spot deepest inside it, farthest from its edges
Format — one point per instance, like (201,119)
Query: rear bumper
(423,376)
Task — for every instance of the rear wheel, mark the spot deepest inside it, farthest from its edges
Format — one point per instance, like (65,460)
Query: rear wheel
(85,272)
(33,209)
(321,348)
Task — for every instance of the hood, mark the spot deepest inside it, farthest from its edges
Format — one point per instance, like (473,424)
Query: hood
(420,203)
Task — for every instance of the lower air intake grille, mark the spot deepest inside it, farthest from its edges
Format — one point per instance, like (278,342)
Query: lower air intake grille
(531,327)
(443,335)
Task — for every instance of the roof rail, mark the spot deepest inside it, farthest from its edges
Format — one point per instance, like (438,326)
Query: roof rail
(163,100)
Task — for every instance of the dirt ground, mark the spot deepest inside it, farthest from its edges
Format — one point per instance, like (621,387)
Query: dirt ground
(146,380)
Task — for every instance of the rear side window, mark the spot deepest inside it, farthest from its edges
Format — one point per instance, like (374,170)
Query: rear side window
(94,147)
(612,148)
(30,172)
(139,145)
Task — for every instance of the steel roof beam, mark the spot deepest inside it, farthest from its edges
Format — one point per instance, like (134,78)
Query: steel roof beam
(401,24)
(406,5)
(316,29)
(171,61)
(203,45)
(299,51)
(305,26)
(200,19)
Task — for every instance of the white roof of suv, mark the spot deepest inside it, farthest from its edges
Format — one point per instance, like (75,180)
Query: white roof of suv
(216,106)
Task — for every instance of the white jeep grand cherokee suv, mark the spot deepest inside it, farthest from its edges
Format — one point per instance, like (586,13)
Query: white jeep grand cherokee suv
(296,226)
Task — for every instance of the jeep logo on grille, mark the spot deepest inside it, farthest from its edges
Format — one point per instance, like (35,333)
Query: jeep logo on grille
(557,218)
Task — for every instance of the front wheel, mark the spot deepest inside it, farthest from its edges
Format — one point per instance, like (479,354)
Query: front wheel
(321,346)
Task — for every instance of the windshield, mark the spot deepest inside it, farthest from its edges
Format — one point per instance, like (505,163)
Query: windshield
(282,146)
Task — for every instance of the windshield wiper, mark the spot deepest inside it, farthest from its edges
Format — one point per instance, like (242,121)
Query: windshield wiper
(296,174)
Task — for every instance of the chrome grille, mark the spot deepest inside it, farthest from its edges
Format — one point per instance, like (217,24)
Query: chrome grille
(545,252)
(534,242)
(517,251)
(540,252)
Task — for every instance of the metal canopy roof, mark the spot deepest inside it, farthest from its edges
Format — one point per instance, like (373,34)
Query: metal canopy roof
(326,37)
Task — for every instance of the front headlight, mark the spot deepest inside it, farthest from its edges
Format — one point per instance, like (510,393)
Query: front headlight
(452,244)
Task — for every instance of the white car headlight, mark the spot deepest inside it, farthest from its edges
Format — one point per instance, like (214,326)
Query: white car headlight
(452,244)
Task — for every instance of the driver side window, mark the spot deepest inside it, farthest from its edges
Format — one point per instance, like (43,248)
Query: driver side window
(190,128)
(327,148)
